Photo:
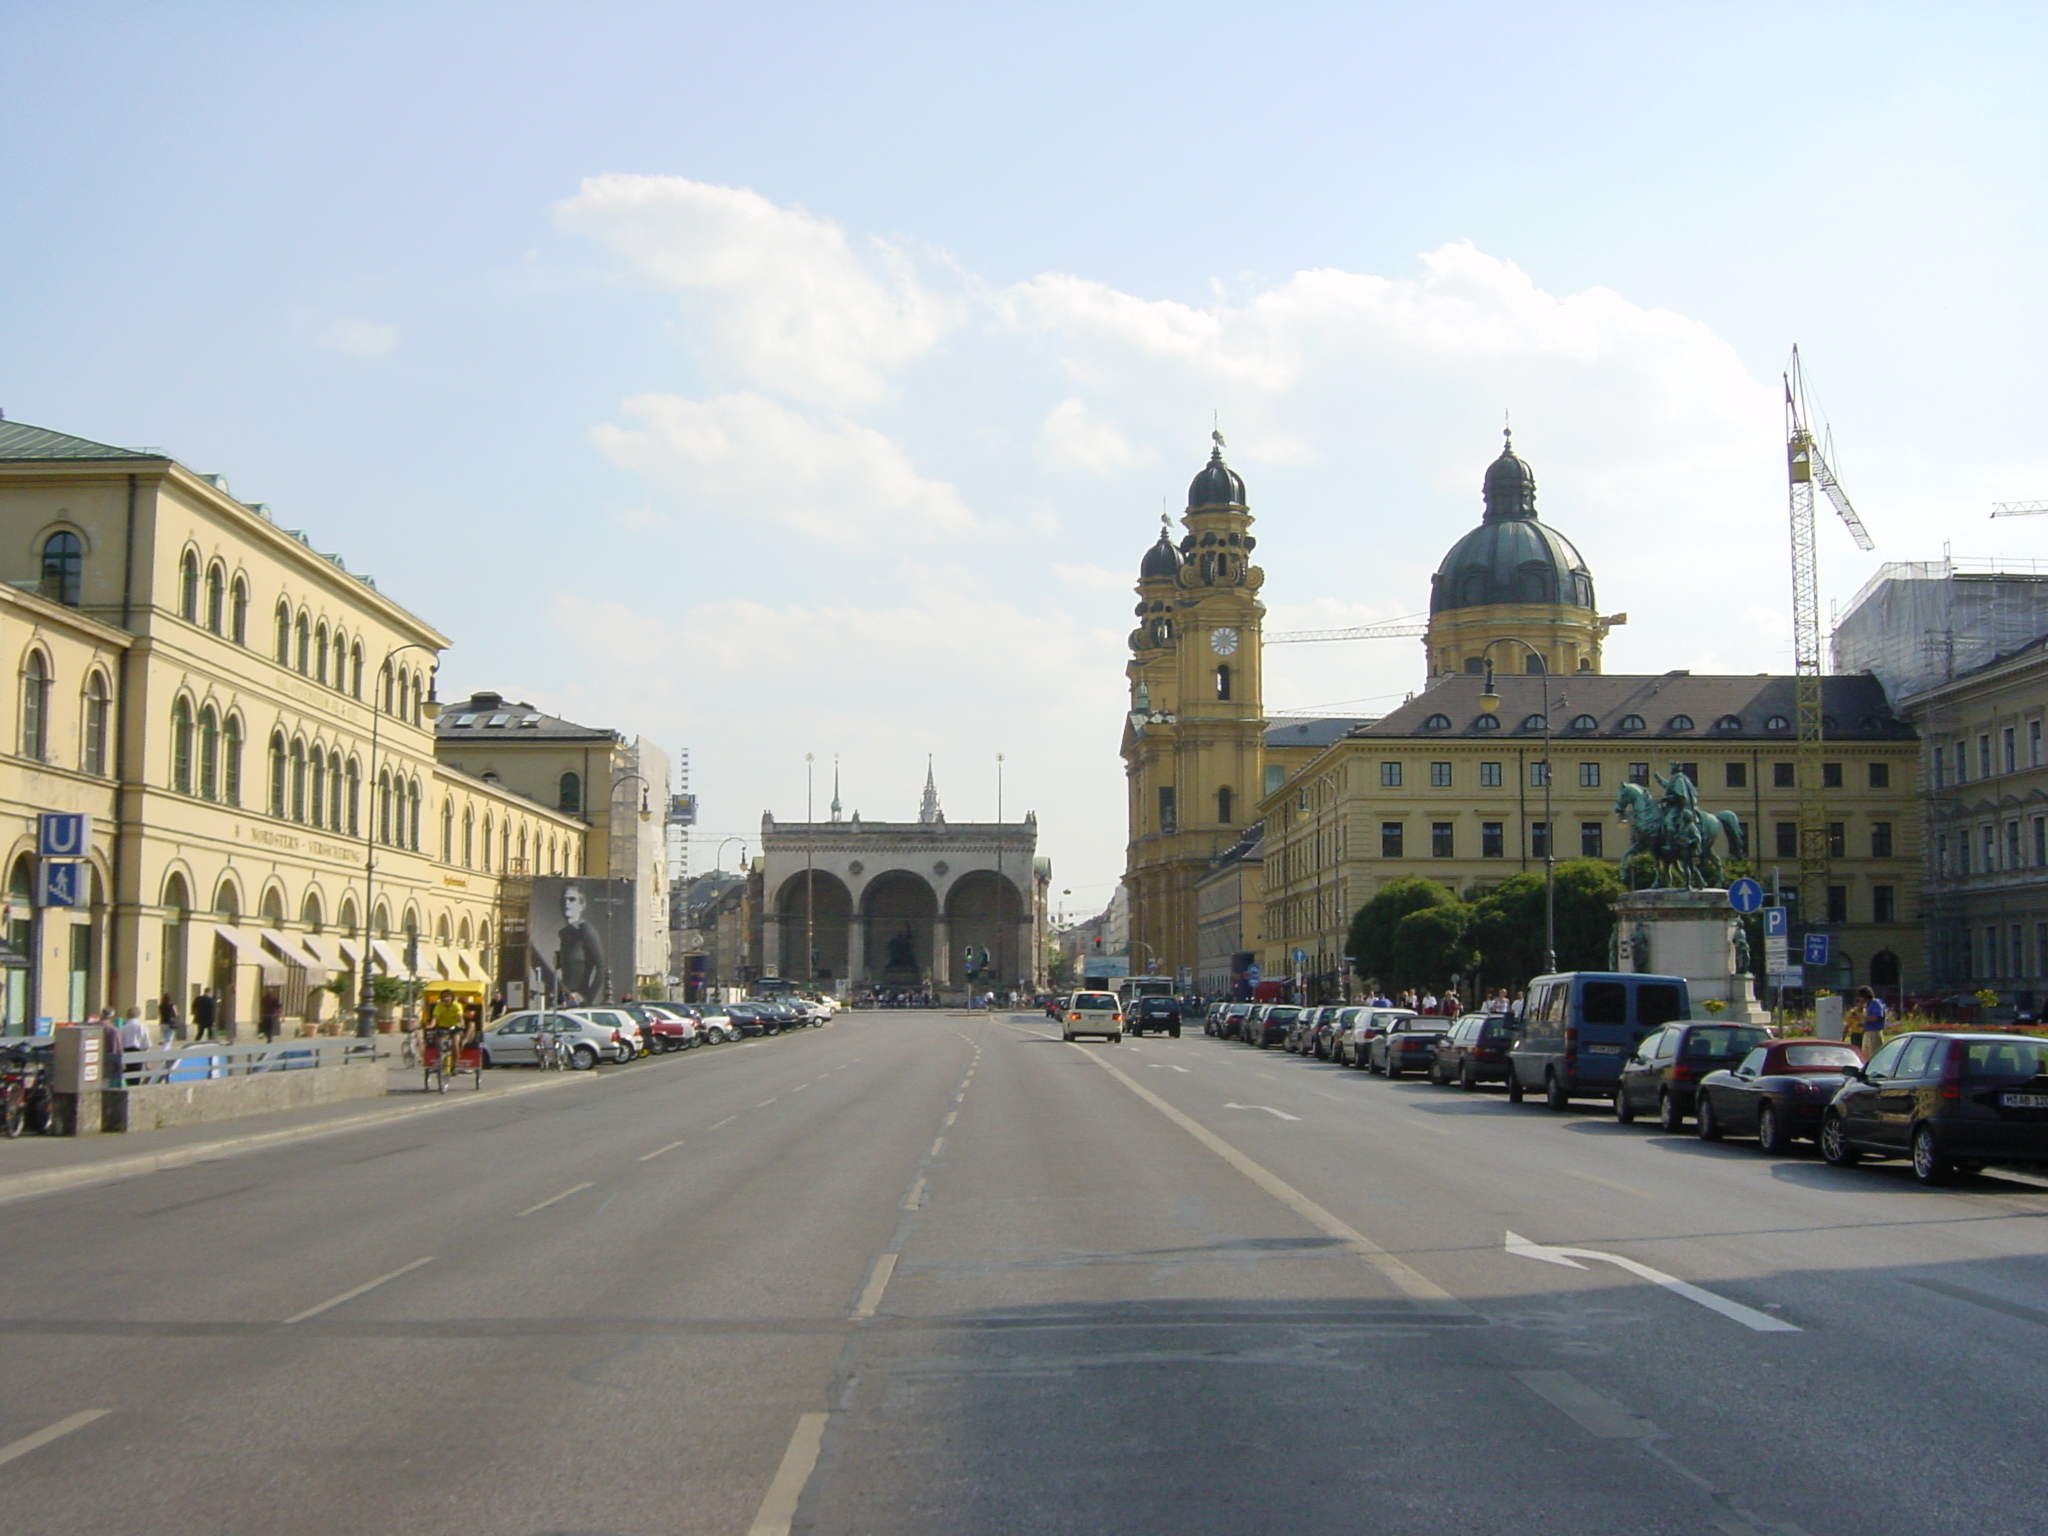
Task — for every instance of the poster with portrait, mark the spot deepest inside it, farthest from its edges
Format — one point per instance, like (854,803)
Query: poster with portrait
(579,941)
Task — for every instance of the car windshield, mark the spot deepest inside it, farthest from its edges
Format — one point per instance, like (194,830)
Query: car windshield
(1283,1015)
(1811,1058)
(1723,1042)
(2005,1059)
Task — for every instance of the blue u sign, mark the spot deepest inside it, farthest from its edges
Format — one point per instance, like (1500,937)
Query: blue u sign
(63,835)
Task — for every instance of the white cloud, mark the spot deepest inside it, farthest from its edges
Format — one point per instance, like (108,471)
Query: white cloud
(1074,437)
(787,300)
(346,334)
(742,453)
(1091,578)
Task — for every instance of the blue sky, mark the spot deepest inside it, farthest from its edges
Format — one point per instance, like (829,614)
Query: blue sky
(774,379)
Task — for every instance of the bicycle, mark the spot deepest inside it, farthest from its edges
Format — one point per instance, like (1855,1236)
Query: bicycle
(25,1099)
(439,1058)
(550,1051)
(410,1053)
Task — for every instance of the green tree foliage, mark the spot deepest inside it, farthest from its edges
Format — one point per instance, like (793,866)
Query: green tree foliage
(1507,922)
(1429,947)
(1372,927)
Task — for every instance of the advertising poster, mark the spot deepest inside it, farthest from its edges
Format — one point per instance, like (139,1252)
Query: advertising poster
(579,937)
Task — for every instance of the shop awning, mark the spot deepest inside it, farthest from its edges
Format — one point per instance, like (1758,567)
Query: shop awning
(390,956)
(466,966)
(331,951)
(249,950)
(295,949)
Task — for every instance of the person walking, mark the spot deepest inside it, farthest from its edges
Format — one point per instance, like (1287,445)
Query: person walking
(205,1013)
(1870,1016)
(272,1020)
(167,1017)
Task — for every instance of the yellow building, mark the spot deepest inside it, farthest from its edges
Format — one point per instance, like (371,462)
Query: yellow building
(248,724)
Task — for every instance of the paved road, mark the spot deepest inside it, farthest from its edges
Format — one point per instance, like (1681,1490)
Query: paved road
(936,1274)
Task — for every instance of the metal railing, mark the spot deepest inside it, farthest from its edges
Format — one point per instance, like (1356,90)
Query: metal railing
(204,1063)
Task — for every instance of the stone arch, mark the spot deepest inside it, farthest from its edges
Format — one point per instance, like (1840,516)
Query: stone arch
(272,907)
(826,915)
(983,911)
(898,906)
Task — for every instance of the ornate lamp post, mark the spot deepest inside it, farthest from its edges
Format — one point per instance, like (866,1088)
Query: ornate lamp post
(366,1005)
(1489,701)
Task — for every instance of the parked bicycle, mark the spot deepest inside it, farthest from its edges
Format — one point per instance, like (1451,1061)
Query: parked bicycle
(25,1100)
(550,1051)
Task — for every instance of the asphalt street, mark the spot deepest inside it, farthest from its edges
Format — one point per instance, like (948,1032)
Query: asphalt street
(927,1273)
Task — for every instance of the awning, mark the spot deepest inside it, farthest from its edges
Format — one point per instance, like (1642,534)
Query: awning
(464,966)
(351,949)
(299,953)
(332,952)
(443,962)
(249,950)
(390,957)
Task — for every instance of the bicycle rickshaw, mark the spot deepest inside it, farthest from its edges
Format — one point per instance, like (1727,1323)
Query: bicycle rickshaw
(441,1056)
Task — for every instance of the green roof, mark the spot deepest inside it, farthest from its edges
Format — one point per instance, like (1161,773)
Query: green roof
(20,442)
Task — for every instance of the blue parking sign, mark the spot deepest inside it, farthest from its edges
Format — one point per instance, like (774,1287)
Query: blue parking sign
(60,883)
(1775,922)
(1817,948)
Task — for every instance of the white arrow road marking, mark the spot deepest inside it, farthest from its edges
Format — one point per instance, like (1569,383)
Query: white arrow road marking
(1749,1317)
(1281,1113)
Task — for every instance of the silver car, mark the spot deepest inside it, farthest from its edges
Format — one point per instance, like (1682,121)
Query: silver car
(632,1039)
(509,1041)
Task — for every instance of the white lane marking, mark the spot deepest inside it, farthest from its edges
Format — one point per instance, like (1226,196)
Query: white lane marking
(766,1102)
(955,1115)
(573,1189)
(936,1145)
(56,1431)
(1735,1311)
(1160,1066)
(1410,1282)
(1620,1189)
(648,1157)
(778,1505)
(916,1195)
(1596,1413)
(1269,1109)
(728,1120)
(335,1301)
(878,1282)
(800,1087)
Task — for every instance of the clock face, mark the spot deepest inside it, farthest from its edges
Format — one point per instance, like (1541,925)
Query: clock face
(1223,641)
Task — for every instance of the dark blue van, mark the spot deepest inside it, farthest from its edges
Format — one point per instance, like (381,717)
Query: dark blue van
(1579,1027)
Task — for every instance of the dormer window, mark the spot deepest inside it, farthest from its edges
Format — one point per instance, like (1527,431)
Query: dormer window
(1437,723)
(1583,723)
(1678,723)
(1629,723)
(1728,723)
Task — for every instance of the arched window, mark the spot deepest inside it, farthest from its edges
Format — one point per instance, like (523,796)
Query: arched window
(448,833)
(505,850)
(231,761)
(304,632)
(355,670)
(569,793)
(1678,723)
(1728,723)
(1777,723)
(188,586)
(1224,806)
(1583,723)
(1534,723)
(316,774)
(320,653)
(335,814)
(384,807)
(298,781)
(384,687)
(1223,681)
(1629,723)
(181,745)
(277,774)
(468,839)
(1486,723)
(340,662)
(92,756)
(487,843)
(238,612)
(209,754)
(284,633)
(462,933)
(63,569)
(412,828)
(522,865)
(310,912)
(355,799)
(1532,664)
(483,935)
(216,598)
(1437,723)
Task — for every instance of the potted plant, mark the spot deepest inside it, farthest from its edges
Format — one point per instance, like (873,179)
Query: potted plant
(387,992)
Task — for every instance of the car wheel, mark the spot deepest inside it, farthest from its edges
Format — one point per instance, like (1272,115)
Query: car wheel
(1705,1121)
(583,1058)
(1835,1150)
(1930,1166)
(1624,1112)
(1669,1115)
(1117,1038)
(1467,1078)
(1770,1131)
(1174,1032)
(1554,1096)
(1392,1069)
(484,1057)
(1514,1087)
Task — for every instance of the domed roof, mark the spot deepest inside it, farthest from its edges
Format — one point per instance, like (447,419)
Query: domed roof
(1218,485)
(1511,557)
(1162,560)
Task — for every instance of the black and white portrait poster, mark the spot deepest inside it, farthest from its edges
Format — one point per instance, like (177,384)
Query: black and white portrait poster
(579,936)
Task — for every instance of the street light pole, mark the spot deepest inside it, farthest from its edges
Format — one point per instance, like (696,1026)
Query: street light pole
(366,1003)
(810,883)
(1489,701)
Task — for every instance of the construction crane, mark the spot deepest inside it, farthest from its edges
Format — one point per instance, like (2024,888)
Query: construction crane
(2018,508)
(1806,466)
(1393,629)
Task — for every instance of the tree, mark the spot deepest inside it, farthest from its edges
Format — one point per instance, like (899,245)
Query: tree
(1373,926)
(1429,947)
(1507,922)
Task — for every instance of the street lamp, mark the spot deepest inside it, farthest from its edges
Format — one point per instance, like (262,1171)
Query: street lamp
(720,860)
(366,1004)
(1489,701)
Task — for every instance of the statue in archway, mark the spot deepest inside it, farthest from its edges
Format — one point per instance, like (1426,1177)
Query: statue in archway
(902,950)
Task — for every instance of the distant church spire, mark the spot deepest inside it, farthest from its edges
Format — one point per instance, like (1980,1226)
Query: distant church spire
(929,812)
(835,786)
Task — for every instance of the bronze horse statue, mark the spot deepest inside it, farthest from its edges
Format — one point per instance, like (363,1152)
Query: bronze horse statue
(1675,833)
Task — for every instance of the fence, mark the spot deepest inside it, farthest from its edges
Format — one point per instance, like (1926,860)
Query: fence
(227,1063)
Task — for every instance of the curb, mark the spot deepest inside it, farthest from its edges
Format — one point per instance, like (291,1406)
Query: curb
(20,1186)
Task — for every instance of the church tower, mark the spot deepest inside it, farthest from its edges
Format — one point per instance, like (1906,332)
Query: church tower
(1193,739)
(1513,578)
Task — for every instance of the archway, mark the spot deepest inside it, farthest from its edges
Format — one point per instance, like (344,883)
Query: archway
(177,932)
(901,910)
(1884,969)
(983,911)
(825,915)
(21,969)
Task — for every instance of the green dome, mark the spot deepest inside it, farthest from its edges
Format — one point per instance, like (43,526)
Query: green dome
(1511,557)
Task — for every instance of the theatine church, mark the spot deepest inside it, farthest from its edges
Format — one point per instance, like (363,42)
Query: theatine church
(1253,839)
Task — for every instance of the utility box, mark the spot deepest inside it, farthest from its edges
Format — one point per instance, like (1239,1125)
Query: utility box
(1827,1018)
(78,1077)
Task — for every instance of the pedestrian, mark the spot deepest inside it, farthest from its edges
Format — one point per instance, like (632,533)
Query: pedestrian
(497,1005)
(205,1010)
(272,1020)
(1870,1015)
(167,1017)
(1451,1005)
(1428,1002)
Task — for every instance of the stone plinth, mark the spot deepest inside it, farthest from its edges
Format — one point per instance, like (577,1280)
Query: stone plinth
(1689,934)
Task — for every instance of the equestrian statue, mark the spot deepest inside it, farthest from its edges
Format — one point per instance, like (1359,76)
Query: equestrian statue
(1675,833)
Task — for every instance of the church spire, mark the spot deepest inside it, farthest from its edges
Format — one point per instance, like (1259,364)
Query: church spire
(835,786)
(929,812)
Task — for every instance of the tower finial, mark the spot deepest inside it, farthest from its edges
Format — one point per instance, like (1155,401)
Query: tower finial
(835,786)
(929,811)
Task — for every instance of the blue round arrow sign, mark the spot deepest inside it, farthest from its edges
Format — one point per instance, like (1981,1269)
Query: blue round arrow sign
(1745,895)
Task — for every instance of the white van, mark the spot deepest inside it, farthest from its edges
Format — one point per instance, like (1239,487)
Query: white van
(1092,1013)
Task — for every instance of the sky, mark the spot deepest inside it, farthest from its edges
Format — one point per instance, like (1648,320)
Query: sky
(781,379)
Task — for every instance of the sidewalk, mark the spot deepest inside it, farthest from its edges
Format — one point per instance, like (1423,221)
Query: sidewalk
(34,1164)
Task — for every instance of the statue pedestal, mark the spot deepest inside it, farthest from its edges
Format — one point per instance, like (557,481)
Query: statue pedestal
(1689,934)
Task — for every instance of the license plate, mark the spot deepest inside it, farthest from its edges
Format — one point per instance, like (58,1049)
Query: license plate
(1603,1050)
(2024,1100)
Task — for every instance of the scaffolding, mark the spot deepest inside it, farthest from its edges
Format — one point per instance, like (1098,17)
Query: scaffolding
(1918,624)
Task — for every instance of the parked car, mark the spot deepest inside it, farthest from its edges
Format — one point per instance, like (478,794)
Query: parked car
(1352,1044)
(1950,1102)
(1664,1072)
(509,1041)
(1474,1051)
(1231,1024)
(1301,1031)
(1269,1024)
(627,1038)
(666,1029)
(1406,1044)
(1092,1013)
(1778,1093)
(753,1018)
(1155,1013)
(1334,1021)
(1578,1027)
(715,1024)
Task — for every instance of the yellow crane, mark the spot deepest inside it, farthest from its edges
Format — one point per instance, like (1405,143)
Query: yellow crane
(1807,467)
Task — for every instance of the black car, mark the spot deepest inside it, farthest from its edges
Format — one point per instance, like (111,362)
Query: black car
(1330,1023)
(1230,1023)
(1406,1045)
(1665,1072)
(1271,1027)
(1154,1013)
(1475,1051)
(1777,1094)
(1950,1102)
